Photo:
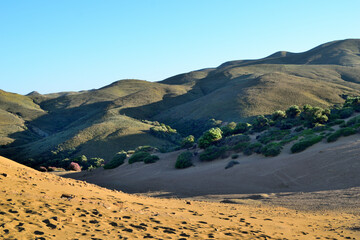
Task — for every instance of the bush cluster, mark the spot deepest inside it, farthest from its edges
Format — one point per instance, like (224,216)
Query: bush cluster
(116,161)
(341,132)
(138,157)
(188,141)
(234,139)
(305,143)
(242,127)
(184,160)
(260,123)
(151,159)
(84,162)
(314,115)
(272,135)
(212,153)
(210,137)
(166,132)
(253,148)
(271,149)
(145,157)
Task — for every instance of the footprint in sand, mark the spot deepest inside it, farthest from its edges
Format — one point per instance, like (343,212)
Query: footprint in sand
(39,233)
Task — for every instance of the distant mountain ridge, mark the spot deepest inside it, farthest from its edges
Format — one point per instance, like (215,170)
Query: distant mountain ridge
(104,121)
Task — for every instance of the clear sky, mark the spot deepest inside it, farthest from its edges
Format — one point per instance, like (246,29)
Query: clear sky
(53,46)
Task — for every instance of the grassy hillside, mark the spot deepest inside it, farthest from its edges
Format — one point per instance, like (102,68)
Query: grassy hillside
(89,122)
(15,110)
(110,117)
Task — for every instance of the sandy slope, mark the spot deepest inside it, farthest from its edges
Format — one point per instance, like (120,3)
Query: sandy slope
(32,208)
(325,166)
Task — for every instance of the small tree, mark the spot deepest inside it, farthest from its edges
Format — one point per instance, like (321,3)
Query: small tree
(228,129)
(314,115)
(184,160)
(242,127)
(293,111)
(151,159)
(260,123)
(212,153)
(116,161)
(278,115)
(138,157)
(188,141)
(209,137)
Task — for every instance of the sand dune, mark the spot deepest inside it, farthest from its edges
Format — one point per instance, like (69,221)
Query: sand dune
(325,166)
(37,205)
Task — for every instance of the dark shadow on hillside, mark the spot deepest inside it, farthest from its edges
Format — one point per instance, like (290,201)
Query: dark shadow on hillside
(213,82)
(46,126)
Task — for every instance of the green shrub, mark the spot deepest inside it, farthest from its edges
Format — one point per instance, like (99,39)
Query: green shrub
(299,129)
(342,125)
(260,123)
(272,135)
(96,162)
(314,115)
(234,156)
(346,112)
(151,159)
(271,149)
(209,137)
(212,153)
(253,148)
(241,146)
(293,111)
(184,160)
(166,132)
(138,157)
(116,161)
(278,115)
(353,102)
(188,142)
(228,129)
(284,124)
(348,131)
(307,132)
(305,143)
(336,122)
(242,128)
(288,138)
(234,139)
(333,137)
(145,149)
(353,121)
(341,132)
(83,161)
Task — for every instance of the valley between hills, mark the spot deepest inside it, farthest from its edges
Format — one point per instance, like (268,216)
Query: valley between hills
(251,149)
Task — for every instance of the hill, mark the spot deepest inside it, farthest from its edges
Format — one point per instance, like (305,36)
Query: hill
(101,122)
(37,205)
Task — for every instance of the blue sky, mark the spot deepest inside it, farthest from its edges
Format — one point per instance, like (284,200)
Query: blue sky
(53,46)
